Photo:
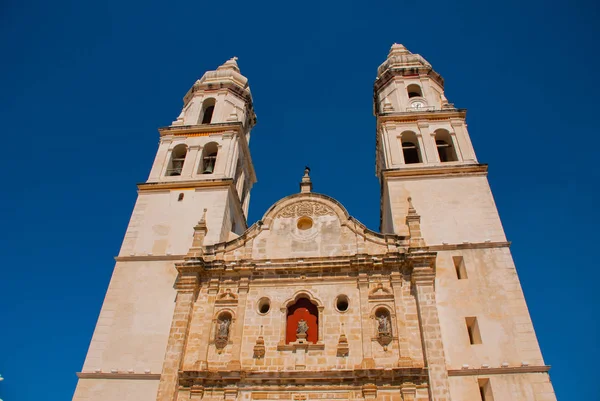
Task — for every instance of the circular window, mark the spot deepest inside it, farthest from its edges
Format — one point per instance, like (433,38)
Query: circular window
(304,223)
(264,305)
(342,303)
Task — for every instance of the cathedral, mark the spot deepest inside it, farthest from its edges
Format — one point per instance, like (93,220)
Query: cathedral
(308,304)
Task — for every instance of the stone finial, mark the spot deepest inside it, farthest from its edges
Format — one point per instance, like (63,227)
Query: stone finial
(411,208)
(397,49)
(200,231)
(306,183)
(343,349)
(230,64)
(413,220)
(259,348)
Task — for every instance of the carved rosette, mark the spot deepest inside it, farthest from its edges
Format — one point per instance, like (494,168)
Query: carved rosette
(306,208)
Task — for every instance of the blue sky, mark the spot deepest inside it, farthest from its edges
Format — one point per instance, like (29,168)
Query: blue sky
(84,86)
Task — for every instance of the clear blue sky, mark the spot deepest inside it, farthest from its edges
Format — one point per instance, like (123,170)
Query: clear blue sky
(84,86)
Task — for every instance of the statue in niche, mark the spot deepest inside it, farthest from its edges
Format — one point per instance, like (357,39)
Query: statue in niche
(383,326)
(224,327)
(301,330)
(384,330)
(302,327)
(222,334)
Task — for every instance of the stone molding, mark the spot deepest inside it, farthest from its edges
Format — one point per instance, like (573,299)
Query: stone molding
(436,171)
(140,258)
(121,375)
(170,185)
(305,377)
(285,263)
(499,371)
(201,129)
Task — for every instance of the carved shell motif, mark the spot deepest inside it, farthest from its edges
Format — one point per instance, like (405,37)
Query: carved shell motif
(306,208)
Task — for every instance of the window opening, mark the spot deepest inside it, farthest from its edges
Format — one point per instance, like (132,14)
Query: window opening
(414,90)
(410,147)
(208,113)
(411,153)
(446,151)
(177,160)
(485,390)
(180,197)
(209,158)
(208,108)
(342,303)
(264,305)
(473,330)
(459,266)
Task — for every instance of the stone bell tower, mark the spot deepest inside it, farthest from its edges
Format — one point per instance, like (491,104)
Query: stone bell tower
(202,171)
(424,154)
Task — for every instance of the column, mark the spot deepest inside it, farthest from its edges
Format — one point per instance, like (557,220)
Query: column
(464,141)
(427,143)
(363,287)
(187,290)
(160,161)
(213,290)
(423,278)
(404,359)
(223,156)
(409,391)
(237,334)
(191,162)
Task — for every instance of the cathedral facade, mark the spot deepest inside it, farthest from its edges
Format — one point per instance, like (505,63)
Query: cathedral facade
(308,303)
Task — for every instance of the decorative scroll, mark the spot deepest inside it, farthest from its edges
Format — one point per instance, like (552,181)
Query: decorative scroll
(306,208)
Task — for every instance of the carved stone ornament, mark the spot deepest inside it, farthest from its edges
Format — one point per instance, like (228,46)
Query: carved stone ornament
(343,349)
(259,348)
(384,331)
(222,334)
(306,208)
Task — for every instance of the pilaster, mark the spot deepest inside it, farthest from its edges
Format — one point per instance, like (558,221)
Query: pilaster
(187,290)
(464,141)
(423,278)
(237,335)
(363,287)
(404,359)
(425,142)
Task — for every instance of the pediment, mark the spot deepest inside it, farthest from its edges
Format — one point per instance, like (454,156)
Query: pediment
(306,225)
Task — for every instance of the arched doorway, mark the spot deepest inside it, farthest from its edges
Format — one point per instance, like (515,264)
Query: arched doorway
(302,309)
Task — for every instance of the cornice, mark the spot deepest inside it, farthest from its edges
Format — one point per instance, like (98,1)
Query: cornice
(436,171)
(417,116)
(160,186)
(499,371)
(125,376)
(221,378)
(143,258)
(470,245)
(202,129)
(385,76)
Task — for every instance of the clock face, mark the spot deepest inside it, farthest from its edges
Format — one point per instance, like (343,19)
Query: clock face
(417,105)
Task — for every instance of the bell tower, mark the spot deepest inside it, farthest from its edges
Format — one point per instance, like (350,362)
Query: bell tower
(423,147)
(425,162)
(203,161)
(202,172)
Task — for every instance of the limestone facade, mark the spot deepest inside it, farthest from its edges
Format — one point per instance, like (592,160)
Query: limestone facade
(308,303)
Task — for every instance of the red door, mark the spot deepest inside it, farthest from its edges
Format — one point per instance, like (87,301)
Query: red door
(302,309)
